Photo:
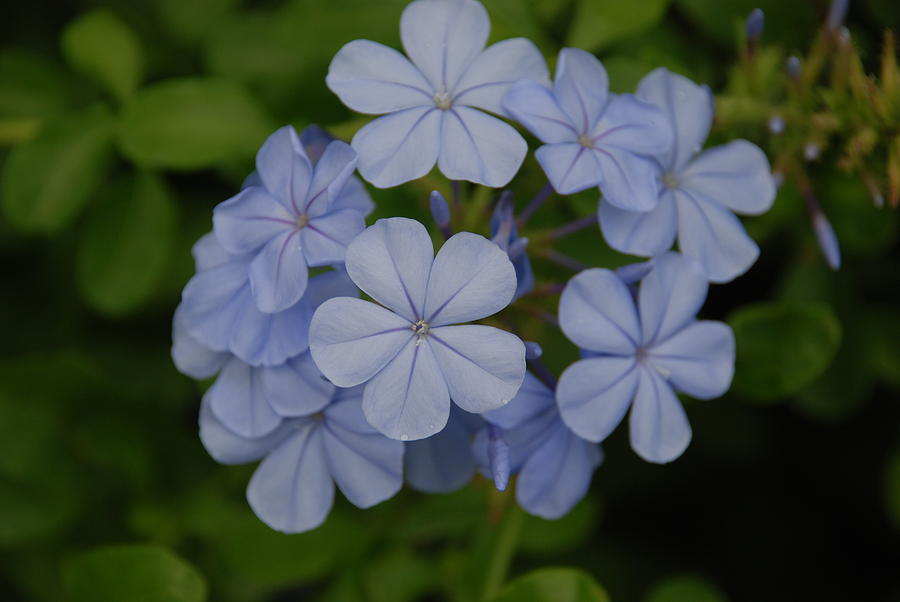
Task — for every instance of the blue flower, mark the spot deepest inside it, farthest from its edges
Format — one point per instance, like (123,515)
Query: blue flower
(505,234)
(554,464)
(700,192)
(593,138)
(431,99)
(219,314)
(289,221)
(639,351)
(292,490)
(409,354)
(443,462)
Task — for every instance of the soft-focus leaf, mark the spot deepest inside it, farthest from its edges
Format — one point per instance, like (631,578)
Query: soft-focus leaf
(542,538)
(398,576)
(191,20)
(782,347)
(137,573)
(190,123)
(860,227)
(553,585)
(785,21)
(30,86)
(47,180)
(599,23)
(126,244)
(685,588)
(103,47)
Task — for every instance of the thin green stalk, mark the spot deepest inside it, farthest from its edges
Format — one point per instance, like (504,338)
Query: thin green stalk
(504,549)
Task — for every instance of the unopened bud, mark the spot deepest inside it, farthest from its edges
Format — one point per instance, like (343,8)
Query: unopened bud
(532,350)
(827,239)
(756,21)
(811,151)
(776,124)
(792,66)
(440,210)
(836,14)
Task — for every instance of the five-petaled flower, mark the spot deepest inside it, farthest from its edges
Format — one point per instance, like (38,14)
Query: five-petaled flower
(411,355)
(593,138)
(699,192)
(641,351)
(432,98)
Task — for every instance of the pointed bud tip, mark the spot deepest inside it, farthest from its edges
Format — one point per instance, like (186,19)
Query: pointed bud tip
(827,239)
(533,350)
(756,21)
(440,210)
(793,66)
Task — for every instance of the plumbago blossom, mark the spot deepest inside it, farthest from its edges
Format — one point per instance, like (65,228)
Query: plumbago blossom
(324,388)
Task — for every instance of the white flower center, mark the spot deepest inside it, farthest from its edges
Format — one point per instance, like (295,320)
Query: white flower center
(443,100)
(585,141)
(420,329)
(302,220)
(670,180)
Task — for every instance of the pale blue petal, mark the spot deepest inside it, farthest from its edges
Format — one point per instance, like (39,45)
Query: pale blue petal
(262,339)
(570,167)
(629,181)
(644,233)
(479,148)
(557,475)
(532,399)
(227,448)
(252,180)
(659,428)
(482,366)
(329,177)
(581,87)
(596,312)
(351,340)
(593,395)
(498,457)
(736,175)
(408,399)
(671,295)
(391,262)
(325,285)
(212,300)
(315,140)
(471,278)
(209,253)
(292,490)
(443,462)
(399,147)
(689,108)
(633,125)
(535,107)
(325,238)
(371,78)
(827,239)
(354,196)
(249,220)
(698,360)
(492,73)
(190,357)
(296,387)
(442,37)
(239,402)
(714,237)
(284,168)
(366,465)
(278,274)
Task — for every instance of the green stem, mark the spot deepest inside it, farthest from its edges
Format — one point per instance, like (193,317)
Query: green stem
(503,551)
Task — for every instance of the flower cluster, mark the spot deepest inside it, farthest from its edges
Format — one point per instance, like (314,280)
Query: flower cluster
(327,388)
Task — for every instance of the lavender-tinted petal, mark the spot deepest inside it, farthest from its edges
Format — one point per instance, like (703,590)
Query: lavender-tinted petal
(629,181)
(581,87)
(296,387)
(329,177)
(570,167)
(292,490)
(689,108)
(278,274)
(325,238)
(492,73)
(659,428)
(252,180)
(399,147)
(498,457)
(325,285)
(596,312)
(315,140)
(443,462)
(593,395)
(443,37)
(351,340)
(262,339)
(534,106)
(471,278)
(633,125)
(226,447)
(736,175)
(671,295)
(372,78)
(408,399)
(391,262)
(698,360)
(645,233)
(249,220)
(354,196)
(714,237)
(284,168)
(190,357)
(479,148)
(211,302)
(208,253)
(239,402)
(367,466)
(558,474)
(532,399)
(827,239)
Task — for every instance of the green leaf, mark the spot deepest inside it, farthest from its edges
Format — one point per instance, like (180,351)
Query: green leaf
(137,573)
(30,86)
(553,585)
(398,576)
(48,179)
(192,19)
(102,46)
(126,244)
(685,588)
(599,23)
(545,538)
(785,21)
(782,348)
(191,123)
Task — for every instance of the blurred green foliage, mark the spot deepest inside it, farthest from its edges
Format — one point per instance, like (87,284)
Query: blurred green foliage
(122,124)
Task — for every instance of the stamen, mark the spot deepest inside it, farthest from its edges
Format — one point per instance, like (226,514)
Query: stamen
(420,329)
(302,220)
(443,101)
(585,141)
(670,180)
